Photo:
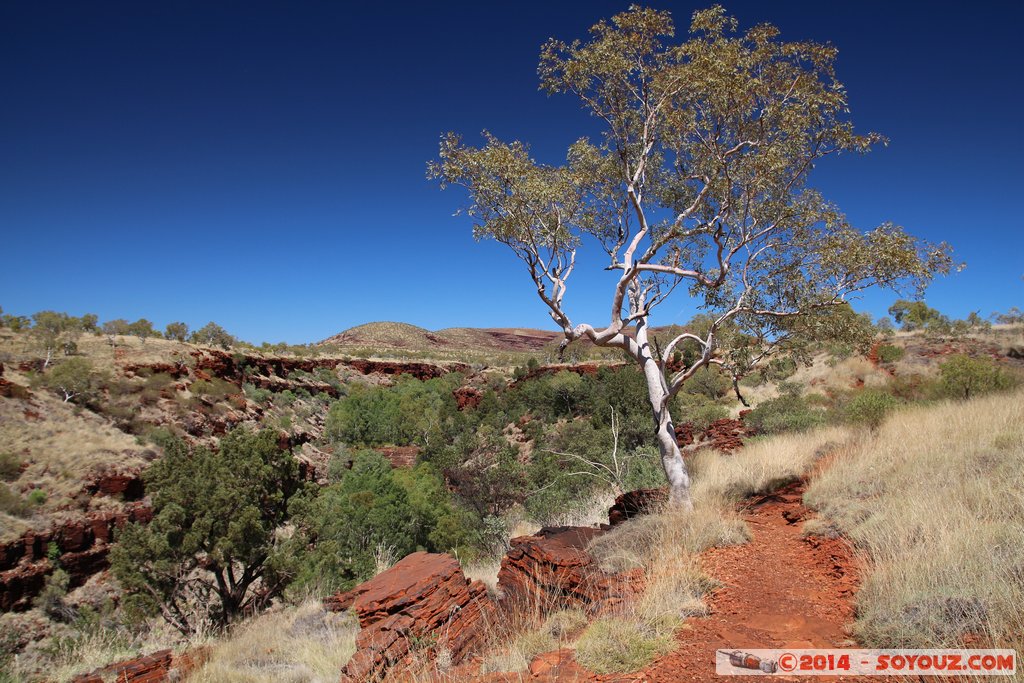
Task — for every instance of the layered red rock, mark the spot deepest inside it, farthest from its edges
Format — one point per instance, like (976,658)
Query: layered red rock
(552,570)
(725,435)
(82,545)
(425,598)
(400,456)
(634,503)
(467,397)
(159,667)
(127,484)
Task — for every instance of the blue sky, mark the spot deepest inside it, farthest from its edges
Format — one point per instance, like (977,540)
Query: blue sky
(261,164)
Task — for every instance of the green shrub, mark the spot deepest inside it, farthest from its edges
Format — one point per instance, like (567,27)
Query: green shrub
(350,523)
(208,553)
(889,353)
(787,413)
(257,394)
(709,382)
(615,645)
(698,411)
(215,388)
(37,497)
(10,466)
(870,407)
(963,377)
(13,504)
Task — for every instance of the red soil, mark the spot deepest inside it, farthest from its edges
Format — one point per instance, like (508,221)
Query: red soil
(779,590)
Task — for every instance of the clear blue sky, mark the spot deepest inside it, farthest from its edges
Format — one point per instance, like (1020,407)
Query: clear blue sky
(261,164)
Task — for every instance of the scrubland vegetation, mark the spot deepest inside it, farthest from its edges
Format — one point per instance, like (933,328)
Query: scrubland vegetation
(541,446)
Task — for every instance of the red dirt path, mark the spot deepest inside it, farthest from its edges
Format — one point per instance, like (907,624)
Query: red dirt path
(779,590)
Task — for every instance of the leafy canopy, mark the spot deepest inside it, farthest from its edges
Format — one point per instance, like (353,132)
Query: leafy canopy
(210,543)
(699,181)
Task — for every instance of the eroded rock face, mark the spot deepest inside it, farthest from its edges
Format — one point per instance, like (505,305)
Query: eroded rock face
(467,397)
(725,435)
(424,602)
(400,456)
(552,570)
(634,503)
(159,667)
(82,545)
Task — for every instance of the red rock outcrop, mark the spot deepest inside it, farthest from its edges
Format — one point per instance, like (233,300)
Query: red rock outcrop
(727,435)
(724,435)
(552,570)
(235,367)
(425,598)
(82,546)
(127,484)
(159,667)
(400,456)
(634,503)
(467,397)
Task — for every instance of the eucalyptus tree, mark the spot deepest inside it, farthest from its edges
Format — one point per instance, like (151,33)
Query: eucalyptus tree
(697,186)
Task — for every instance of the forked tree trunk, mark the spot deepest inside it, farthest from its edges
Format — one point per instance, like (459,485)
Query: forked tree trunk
(673,464)
(671,457)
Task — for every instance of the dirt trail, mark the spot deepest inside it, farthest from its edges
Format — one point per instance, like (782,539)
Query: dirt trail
(779,590)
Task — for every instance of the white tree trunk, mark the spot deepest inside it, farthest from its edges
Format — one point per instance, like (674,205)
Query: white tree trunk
(671,457)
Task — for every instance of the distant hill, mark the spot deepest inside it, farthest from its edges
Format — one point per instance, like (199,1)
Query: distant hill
(405,337)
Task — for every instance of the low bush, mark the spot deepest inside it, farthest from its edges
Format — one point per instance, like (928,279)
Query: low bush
(10,466)
(870,407)
(617,645)
(889,353)
(13,504)
(964,376)
(787,413)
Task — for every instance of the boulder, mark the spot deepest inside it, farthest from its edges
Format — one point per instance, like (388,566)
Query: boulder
(552,570)
(467,397)
(421,605)
(160,667)
(633,503)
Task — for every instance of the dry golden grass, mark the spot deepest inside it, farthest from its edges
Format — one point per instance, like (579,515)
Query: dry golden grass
(559,629)
(935,501)
(62,446)
(303,644)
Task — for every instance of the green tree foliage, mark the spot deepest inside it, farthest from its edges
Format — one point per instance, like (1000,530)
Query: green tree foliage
(90,323)
(55,331)
(1014,316)
(917,315)
(207,553)
(350,523)
(73,379)
(697,183)
(176,331)
(870,407)
(15,323)
(411,412)
(964,376)
(212,334)
(112,329)
(143,329)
